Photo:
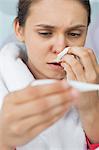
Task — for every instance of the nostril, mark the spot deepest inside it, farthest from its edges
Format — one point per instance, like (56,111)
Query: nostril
(57,52)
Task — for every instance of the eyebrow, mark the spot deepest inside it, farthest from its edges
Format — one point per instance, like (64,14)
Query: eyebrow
(77,27)
(53,27)
(46,26)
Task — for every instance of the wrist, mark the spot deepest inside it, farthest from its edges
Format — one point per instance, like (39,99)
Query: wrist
(90,124)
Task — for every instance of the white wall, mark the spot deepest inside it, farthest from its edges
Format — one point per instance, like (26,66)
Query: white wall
(7,14)
(93,33)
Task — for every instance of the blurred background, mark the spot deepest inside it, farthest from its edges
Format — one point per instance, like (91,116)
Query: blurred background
(8,11)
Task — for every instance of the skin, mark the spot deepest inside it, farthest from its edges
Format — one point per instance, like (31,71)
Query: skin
(47,31)
(53,38)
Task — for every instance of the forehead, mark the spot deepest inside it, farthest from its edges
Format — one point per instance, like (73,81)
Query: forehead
(58,11)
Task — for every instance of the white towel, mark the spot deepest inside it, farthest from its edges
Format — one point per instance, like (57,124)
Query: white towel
(67,133)
(14,72)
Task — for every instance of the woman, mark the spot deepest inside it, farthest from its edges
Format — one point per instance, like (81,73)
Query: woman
(47,27)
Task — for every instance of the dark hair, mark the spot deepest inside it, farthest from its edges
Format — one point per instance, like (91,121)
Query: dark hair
(23,11)
(24,7)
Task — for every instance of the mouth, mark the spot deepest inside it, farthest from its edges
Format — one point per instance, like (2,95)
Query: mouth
(55,65)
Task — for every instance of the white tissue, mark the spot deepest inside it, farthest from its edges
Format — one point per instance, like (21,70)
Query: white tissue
(60,55)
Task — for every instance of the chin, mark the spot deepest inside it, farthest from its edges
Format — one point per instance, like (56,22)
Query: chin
(58,76)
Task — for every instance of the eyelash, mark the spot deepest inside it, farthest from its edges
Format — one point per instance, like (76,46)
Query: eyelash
(74,35)
(45,34)
(49,34)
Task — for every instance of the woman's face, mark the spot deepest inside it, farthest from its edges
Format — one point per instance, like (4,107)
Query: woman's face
(51,26)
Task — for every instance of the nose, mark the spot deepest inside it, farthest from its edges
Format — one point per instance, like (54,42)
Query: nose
(59,44)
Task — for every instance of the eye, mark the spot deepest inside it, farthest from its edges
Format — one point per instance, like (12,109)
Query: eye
(74,34)
(45,34)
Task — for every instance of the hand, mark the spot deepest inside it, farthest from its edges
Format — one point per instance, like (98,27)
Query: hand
(26,113)
(80,64)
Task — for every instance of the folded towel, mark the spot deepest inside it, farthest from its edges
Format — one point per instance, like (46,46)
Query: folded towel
(13,70)
(15,75)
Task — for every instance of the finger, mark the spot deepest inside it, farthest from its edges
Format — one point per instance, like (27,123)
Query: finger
(44,126)
(32,93)
(33,121)
(44,104)
(33,132)
(93,58)
(92,55)
(84,56)
(69,72)
(76,66)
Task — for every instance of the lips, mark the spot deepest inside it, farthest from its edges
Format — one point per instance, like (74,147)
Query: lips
(55,65)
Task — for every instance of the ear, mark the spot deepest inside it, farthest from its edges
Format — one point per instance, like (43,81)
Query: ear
(19,30)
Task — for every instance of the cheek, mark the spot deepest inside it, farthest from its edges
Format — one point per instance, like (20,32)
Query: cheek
(33,53)
(36,54)
(82,42)
(79,42)
(37,48)
(33,48)
(38,51)
(83,39)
